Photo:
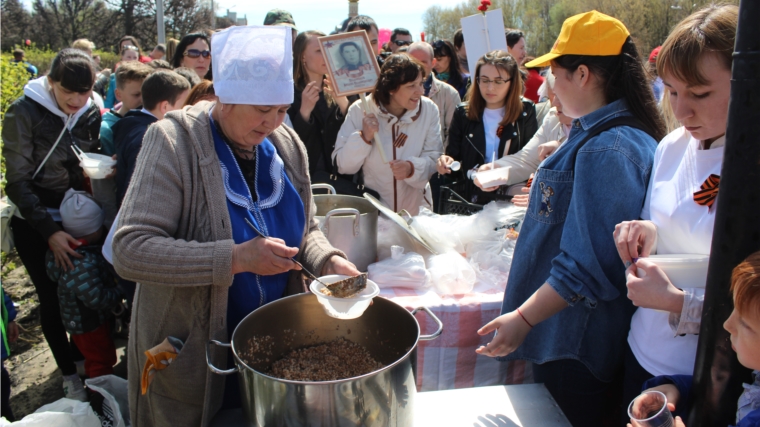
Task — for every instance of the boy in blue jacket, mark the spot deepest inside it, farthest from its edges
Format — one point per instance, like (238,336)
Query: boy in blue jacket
(744,326)
(9,331)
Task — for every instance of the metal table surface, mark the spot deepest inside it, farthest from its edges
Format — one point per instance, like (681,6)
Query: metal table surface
(524,405)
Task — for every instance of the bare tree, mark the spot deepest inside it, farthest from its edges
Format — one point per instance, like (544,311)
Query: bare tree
(15,24)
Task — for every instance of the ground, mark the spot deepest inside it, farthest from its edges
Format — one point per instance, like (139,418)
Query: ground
(35,378)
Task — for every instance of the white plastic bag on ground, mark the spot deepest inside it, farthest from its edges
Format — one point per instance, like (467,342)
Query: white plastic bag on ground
(400,270)
(111,401)
(451,274)
(61,413)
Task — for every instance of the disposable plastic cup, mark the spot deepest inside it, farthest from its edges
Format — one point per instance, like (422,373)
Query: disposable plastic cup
(344,308)
(650,409)
(97,166)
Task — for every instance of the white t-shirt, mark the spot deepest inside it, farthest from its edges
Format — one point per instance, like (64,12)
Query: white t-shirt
(491,120)
(683,227)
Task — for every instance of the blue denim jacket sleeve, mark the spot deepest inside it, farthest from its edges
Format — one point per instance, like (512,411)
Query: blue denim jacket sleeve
(609,187)
(683,384)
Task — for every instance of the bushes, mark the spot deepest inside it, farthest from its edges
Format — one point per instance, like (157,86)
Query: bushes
(13,77)
(42,58)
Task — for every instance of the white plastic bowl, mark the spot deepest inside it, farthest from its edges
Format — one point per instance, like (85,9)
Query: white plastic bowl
(97,166)
(493,177)
(344,308)
(683,270)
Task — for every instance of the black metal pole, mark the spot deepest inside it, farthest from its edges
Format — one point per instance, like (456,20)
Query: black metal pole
(717,374)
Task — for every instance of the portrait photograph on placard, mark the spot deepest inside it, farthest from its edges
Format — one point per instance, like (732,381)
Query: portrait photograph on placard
(352,65)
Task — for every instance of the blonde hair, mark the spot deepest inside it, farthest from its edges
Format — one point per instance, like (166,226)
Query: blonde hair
(709,30)
(671,123)
(84,45)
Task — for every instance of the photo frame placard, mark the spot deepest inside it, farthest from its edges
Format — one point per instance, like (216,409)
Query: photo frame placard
(351,63)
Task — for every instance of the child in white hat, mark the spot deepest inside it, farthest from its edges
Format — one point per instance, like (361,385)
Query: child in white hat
(87,292)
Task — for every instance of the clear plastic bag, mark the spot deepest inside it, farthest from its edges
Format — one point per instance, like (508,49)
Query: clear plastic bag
(451,274)
(401,270)
(389,234)
(443,232)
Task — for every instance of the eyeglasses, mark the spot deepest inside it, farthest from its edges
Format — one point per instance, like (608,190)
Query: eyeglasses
(195,53)
(402,42)
(498,82)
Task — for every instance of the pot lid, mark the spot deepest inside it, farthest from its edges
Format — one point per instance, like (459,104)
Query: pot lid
(400,221)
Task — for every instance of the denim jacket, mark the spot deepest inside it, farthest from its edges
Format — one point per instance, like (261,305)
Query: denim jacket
(566,241)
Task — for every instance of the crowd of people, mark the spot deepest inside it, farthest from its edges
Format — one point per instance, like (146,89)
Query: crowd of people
(207,158)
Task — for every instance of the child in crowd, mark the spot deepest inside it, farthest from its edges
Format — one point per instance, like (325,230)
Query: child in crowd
(744,327)
(86,292)
(129,80)
(9,331)
(127,54)
(163,91)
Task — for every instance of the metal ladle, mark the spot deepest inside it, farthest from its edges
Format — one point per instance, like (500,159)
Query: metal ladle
(308,273)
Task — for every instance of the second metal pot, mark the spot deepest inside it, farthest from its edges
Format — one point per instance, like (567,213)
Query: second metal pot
(350,224)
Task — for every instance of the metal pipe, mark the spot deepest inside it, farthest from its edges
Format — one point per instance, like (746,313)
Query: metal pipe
(717,373)
(160,21)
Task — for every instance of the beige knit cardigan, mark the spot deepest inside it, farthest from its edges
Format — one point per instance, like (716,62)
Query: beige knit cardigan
(174,240)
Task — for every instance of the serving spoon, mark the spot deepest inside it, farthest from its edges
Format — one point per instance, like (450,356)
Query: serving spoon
(308,273)
(343,288)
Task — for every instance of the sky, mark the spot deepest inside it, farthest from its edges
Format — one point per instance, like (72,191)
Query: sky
(324,15)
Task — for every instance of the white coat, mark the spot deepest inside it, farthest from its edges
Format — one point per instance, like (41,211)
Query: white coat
(422,147)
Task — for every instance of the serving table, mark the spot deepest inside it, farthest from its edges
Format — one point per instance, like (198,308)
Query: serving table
(524,405)
(450,361)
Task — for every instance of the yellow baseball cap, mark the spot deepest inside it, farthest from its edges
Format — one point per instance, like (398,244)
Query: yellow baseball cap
(591,33)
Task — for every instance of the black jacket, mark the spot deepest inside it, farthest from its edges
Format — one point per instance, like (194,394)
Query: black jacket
(467,144)
(29,132)
(128,136)
(319,133)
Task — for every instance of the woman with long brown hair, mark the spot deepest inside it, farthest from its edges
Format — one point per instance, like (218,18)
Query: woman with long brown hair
(566,308)
(494,122)
(317,115)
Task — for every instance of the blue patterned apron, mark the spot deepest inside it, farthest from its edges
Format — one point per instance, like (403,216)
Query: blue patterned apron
(278,212)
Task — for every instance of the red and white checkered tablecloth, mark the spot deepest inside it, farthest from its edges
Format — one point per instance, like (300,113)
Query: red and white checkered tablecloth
(450,361)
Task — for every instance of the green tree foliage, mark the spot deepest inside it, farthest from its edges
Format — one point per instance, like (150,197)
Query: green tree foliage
(13,77)
(649,21)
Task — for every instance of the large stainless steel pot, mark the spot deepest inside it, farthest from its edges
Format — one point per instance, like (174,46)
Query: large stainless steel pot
(349,223)
(381,398)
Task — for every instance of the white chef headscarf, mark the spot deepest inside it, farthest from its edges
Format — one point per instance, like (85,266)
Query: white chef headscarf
(253,65)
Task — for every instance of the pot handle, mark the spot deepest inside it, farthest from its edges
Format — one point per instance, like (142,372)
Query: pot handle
(330,189)
(342,211)
(435,318)
(213,368)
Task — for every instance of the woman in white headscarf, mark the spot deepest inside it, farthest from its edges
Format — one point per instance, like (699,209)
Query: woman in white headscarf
(199,266)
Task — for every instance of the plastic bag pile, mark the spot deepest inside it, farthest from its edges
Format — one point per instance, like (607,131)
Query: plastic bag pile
(474,252)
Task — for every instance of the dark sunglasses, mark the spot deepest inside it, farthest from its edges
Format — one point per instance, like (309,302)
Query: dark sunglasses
(402,42)
(195,53)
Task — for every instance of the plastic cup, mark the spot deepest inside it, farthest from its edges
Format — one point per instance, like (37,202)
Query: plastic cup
(493,177)
(650,409)
(344,308)
(97,166)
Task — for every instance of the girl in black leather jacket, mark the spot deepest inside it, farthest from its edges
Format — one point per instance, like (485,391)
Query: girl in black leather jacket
(496,121)
(54,109)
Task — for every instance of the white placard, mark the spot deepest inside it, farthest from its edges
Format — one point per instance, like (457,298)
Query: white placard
(482,35)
